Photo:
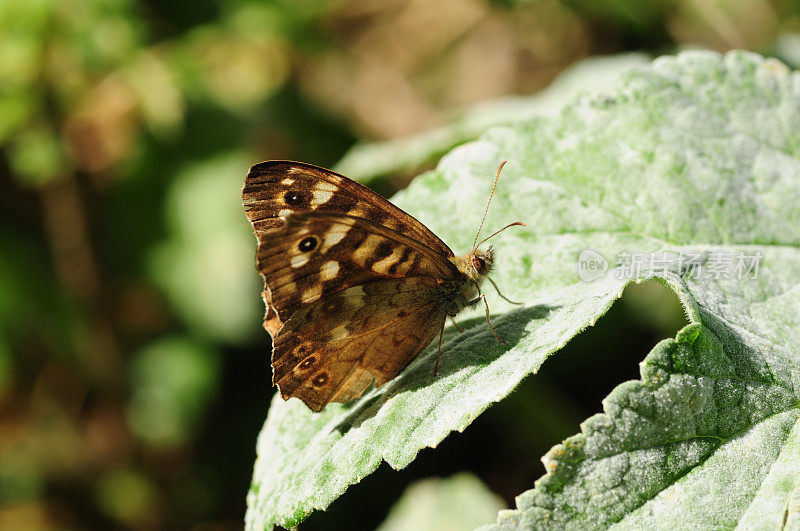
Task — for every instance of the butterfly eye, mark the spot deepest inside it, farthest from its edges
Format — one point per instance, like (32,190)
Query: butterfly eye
(478,264)
(307,245)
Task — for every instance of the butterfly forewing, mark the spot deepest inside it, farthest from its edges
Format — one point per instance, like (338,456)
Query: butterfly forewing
(276,188)
(317,254)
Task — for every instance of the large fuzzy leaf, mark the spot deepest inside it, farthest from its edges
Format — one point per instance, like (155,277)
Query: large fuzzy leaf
(696,156)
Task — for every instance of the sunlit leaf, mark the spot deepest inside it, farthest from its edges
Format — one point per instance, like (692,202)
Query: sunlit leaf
(458,502)
(691,158)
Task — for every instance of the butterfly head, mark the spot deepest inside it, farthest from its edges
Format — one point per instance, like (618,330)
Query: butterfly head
(476,264)
(481,262)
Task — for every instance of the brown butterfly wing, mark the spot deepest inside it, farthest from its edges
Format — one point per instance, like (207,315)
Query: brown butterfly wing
(276,188)
(350,302)
(346,252)
(333,349)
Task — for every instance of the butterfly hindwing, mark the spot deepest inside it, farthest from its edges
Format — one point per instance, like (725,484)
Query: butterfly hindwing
(331,350)
(276,188)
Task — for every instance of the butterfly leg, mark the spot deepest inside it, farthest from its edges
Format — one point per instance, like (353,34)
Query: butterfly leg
(456,325)
(503,296)
(438,352)
(488,320)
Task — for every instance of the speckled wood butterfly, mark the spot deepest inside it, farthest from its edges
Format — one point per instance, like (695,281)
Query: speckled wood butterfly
(355,288)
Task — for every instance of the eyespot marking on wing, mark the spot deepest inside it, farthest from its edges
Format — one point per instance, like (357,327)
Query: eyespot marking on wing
(307,363)
(320,380)
(295,199)
(307,244)
(302,349)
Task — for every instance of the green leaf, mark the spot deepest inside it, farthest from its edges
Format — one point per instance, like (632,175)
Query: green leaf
(691,159)
(458,502)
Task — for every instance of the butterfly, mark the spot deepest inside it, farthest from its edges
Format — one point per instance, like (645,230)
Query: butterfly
(355,288)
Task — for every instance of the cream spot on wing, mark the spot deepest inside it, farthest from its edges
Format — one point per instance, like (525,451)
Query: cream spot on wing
(313,293)
(403,267)
(334,235)
(329,270)
(285,212)
(287,181)
(328,187)
(340,332)
(357,212)
(366,249)
(382,266)
(320,196)
(299,260)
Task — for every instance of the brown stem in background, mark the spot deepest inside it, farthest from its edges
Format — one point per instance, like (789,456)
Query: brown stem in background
(66,230)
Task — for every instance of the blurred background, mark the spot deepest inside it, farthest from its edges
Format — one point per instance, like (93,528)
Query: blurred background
(134,373)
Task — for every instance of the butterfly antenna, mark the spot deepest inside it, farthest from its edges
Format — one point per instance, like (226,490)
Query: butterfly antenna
(495,233)
(489,202)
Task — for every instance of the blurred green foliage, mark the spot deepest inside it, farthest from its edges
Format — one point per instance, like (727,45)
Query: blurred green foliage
(205,267)
(172,382)
(133,370)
